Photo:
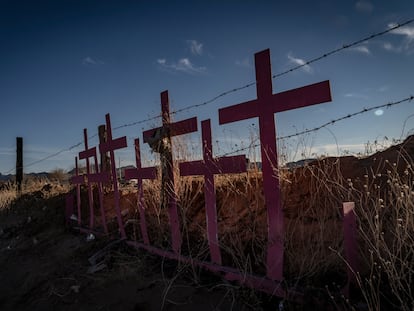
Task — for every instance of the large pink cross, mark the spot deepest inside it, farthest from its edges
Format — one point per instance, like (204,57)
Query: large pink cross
(264,107)
(172,129)
(208,167)
(110,146)
(97,178)
(140,173)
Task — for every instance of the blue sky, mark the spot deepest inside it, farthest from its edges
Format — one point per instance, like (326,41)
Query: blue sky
(65,64)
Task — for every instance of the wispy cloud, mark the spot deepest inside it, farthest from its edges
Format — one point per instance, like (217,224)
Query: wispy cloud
(356,95)
(244,63)
(364,6)
(299,62)
(196,47)
(182,65)
(89,61)
(407,46)
(361,49)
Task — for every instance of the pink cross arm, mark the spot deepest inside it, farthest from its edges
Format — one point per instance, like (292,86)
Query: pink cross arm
(313,94)
(99,177)
(80,179)
(118,143)
(176,128)
(89,153)
(140,172)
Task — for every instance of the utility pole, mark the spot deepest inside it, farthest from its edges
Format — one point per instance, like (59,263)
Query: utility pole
(19,163)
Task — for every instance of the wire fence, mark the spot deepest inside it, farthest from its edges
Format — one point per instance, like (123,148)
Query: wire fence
(234,90)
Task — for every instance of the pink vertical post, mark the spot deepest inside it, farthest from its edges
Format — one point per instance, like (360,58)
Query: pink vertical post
(78,180)
(141,173)
(109,146)
(86,154)
(97,178)
(264,107)
(350,243)
(172,129)
(208,167)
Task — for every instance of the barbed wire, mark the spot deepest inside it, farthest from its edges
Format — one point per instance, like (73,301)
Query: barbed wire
(348,116)
(225,93)
(306,63)
(344,47)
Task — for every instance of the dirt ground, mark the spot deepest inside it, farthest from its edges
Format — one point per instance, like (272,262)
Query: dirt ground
(45,266)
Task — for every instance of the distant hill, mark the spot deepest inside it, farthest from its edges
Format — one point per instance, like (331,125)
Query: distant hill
(35,175)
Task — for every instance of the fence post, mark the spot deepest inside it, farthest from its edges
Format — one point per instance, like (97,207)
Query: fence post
(19,163)
(105,160)
(160,139)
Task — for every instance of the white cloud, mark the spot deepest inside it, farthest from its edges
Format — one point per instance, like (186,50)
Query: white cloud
(182,65)
(244,63)
(299,62)
(361,49)
(356,95)
(196,47)
(364,6)
(407,32)
(89,61)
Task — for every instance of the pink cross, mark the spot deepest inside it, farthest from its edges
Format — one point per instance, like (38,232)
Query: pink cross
(109,146)
(264,107)
(209,167)
(94,178)
(172,129)
(141,173)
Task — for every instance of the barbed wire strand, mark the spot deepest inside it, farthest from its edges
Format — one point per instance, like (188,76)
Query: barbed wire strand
(348,116)
(325,55)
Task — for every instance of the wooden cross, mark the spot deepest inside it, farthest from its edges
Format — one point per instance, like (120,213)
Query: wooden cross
(208,167)
(140,173)
(162,135)
(94,178)
(110,146)
(264,107)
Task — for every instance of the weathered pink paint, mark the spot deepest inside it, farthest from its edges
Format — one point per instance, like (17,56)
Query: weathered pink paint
(78,180)
(91,178)
(264,107)
(174,129)
(110,146)
(350,244)
(208,167)
(141,173)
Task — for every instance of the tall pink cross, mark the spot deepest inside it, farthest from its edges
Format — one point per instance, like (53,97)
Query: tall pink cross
(169,130)
(208,167)
(110,146)
(264,107)
(93,178)
(140,173)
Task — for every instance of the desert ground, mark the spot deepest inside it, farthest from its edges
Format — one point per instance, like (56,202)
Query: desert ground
(48,264)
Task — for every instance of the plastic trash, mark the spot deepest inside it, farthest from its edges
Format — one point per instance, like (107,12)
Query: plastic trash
(90,237)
